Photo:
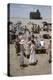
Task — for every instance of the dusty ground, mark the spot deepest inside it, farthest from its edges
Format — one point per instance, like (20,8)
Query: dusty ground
(42,67)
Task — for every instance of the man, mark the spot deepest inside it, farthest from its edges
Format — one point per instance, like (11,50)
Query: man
(17,45)
(42,43)
(49,49)
(21,59)
(32,37)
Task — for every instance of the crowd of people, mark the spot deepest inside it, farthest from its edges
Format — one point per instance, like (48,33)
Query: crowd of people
(26,45)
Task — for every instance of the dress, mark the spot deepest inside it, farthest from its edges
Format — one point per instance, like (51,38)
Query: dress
(21,54)
(32,58)
(28,49)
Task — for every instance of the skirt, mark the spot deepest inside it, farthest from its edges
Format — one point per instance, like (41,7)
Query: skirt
(32,58)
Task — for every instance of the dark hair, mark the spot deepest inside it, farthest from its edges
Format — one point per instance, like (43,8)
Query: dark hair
(33,36)
(33,41)
(20,33)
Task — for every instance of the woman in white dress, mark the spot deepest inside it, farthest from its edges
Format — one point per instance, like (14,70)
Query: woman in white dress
(32,59)
(28,47)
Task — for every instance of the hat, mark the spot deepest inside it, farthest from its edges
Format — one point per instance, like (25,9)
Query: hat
(22,41)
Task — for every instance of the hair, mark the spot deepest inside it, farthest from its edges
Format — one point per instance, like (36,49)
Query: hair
(33,36)
(33,41)
(20,33)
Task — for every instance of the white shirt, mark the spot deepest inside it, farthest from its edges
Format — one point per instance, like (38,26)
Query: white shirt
(42,43)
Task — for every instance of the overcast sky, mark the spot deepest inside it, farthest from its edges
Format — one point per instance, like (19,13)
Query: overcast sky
(23,11)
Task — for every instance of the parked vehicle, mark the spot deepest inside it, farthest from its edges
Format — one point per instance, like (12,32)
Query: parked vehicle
(46,36)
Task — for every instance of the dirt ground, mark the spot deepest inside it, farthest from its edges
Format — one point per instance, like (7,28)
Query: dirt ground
(41,68)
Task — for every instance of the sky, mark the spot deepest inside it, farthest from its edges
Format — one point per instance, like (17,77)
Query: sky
(23,11)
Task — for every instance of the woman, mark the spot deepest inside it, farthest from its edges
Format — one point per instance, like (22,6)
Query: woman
(28,47)
(32,59)
(21,53)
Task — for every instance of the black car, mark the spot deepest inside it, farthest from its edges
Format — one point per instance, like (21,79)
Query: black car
(46,36)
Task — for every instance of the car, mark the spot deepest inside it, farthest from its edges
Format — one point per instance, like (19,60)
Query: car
(46,36)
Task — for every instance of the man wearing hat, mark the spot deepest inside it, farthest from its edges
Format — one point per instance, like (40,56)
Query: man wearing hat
(22,52)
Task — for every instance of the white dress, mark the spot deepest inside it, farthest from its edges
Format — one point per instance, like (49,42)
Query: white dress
(42,43)
(28,48)
(32,58)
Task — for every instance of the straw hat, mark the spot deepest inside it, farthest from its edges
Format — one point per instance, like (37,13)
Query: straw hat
(22,41)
